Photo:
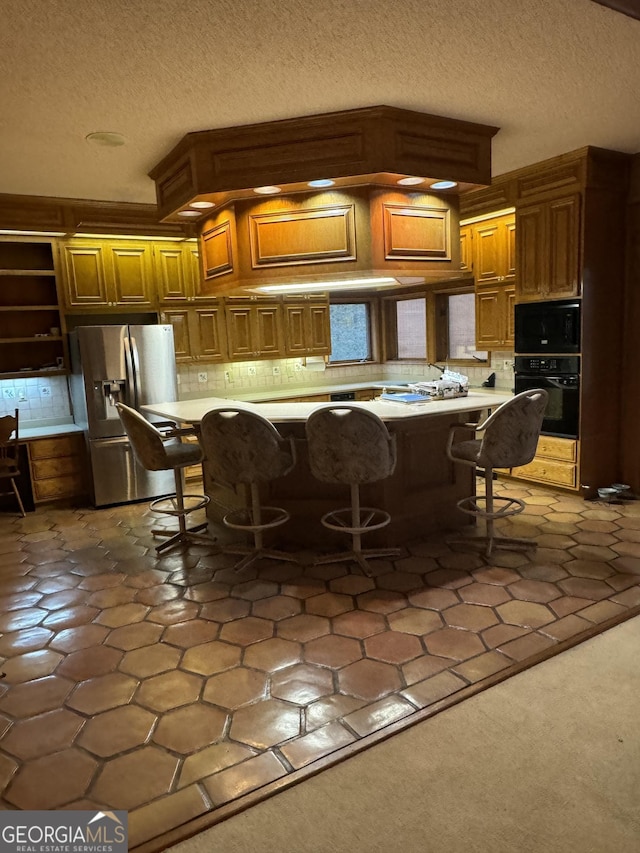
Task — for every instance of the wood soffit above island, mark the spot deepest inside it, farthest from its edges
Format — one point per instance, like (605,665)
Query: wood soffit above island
(371,145)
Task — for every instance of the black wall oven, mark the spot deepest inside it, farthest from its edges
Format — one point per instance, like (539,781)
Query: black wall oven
(559,375)
(548,327)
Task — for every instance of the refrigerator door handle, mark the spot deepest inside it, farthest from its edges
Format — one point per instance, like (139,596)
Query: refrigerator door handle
(130,360)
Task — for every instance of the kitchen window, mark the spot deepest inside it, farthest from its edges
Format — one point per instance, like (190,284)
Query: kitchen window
(350,332)
(436,326)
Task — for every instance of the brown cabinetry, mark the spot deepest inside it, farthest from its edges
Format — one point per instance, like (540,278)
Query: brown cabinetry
(108,274)
(57,467)
(548,249)
(254,328)
(495,317)
(177,272)
(199,333)
(494,250)
(555,463)
(31,340)
(306,327)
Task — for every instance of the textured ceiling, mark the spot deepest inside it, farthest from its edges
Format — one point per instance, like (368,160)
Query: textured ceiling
(554,75)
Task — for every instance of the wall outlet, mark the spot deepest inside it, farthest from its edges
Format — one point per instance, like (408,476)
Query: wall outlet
(507,364)
(45,391)
(228,376)
(275,370)
(297,366)
(251,370)
(9,393)
(203,376)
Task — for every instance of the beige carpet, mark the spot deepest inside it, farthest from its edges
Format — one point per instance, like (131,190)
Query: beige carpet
(546,762)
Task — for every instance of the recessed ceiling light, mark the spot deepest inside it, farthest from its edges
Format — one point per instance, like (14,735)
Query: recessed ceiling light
(410,182)
(443,185)
(322,182)
(267,190)
(105,139)
(189,213)
(202,205)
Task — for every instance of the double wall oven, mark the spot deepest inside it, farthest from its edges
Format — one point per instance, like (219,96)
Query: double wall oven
(547,343)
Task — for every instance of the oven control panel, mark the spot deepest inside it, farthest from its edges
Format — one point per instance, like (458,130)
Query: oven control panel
(547,364)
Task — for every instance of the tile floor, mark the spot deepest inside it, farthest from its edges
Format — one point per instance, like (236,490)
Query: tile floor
(171,686)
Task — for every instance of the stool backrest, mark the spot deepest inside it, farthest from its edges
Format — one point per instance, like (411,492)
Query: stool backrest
(349,444)
(9,444)
(243,447)
(511,433)
(146,441)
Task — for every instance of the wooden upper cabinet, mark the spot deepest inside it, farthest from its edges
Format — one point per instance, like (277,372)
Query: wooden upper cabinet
(307,330)
(466,248)
(254,330)
(199,333)
(495,317)
(548,249)
(109,273)
(177,272)
(494,249)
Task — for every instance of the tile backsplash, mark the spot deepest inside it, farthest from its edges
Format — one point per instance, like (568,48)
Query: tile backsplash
(45,400)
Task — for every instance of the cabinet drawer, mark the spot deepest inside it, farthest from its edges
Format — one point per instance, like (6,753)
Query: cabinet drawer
(64,445)
(59,466)
(58,487)
(548,471)
(563,449)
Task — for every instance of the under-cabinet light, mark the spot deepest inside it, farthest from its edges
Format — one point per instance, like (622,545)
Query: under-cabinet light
(202,205)
(443,185)
(320,183)
(346,284)
(268,190)
(410,182)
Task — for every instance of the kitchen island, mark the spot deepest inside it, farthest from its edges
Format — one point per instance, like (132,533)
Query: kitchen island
(421,495)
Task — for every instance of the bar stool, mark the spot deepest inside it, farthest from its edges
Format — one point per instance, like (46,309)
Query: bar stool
(243,448)
(509,439)
(158,450)
(351,445)
(9,468)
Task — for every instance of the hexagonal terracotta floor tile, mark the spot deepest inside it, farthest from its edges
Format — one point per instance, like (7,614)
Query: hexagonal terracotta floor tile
(30,666)
(265,724)
(134,636)
(525,613)
(190,728)
(484,593)
(333,651)
(303,627)
(150,660)
(210,658)
(243,632)
(52,780)
(359,624)
(193,633)
(41,735)
(36,697)
(454,643)
(271,655)
(90,663)
(169,690)
(369,679)
(277,607)
(329,604)
(302,683)
(534,590)
(414,620)
(136,778)
(102,693)
(117,730)
(173,612)
(240,686)
(474,617)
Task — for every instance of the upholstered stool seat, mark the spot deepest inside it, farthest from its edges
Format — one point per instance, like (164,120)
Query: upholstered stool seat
(163,450)
(243,448)
(351,445)
(508,439)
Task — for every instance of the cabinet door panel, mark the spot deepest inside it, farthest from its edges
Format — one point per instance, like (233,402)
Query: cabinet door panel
(487,252)
(85,281)
(510,316)
(181,333)
(240,333)
(171,275)
(319,331)
(210,338)
(466,248)
(295,338)
(564,255)
(268,328)
(132,274)
(488,320)
(510,248)
(531,252)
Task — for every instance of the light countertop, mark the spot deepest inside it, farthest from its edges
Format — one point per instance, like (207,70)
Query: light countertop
(192,411)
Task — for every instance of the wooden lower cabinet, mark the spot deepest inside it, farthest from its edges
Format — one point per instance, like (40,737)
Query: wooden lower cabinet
(555,463)
(57,466)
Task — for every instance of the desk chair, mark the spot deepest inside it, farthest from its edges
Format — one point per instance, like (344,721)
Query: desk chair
(351,445)
(509,438)
(158,450)
(243,448)
(9,467)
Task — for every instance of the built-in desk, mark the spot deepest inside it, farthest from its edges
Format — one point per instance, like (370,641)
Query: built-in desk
(421,495)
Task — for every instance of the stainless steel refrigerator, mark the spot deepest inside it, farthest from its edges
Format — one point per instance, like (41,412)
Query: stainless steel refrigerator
(133,364)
